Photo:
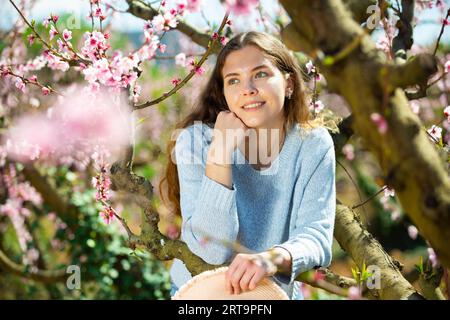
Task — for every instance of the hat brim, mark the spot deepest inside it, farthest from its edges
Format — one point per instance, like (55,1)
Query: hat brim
(210,285)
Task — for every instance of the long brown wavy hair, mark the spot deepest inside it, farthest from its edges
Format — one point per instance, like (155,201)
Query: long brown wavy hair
(212,101)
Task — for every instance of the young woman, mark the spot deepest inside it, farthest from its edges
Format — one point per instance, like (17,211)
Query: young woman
(269,185)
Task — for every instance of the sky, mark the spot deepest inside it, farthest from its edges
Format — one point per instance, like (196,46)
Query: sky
(424,34)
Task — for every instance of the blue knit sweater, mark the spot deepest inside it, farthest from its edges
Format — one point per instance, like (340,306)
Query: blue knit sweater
(291,204)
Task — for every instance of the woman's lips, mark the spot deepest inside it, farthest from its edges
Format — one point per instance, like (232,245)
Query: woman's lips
(254,108)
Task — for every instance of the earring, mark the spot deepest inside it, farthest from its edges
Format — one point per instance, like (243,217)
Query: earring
(289,93)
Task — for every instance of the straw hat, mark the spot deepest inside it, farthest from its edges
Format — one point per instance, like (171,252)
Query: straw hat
(210,285)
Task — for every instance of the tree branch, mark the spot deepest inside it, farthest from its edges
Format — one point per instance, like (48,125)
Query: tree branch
(44,276)
(414,72)
(359,8)
(66,212)
(144,11)
(211,45)
(364,248)
(404,39)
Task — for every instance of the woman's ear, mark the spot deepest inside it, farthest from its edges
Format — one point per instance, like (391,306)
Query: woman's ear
(289,85)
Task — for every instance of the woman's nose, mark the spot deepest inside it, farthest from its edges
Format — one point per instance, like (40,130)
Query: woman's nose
(249,89)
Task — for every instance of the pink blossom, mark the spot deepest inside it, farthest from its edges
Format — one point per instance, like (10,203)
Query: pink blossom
(46,22)
(31,38)
(102,184)
(55,63)
(395,215)
(415,107)
(176,81)
(28,193)
(79,123)
(384,44)
(199,70)
(162,47)
(95,45)
(447,66)
(19,193)
(52,32)
(413,232)
(67,35)
(180,59)
(310,67)
(440,4)
(51,216)
(435,132)
(388,192)
(380,122)
(33,78)
(354,293)
(148,26)
(164,21)
(447,113)
(348,151)
(224,40)
(20,84)
(150,36)
(317,106)
(4,70)
(181,5)
(194,67)
(136,92)
(55,18)
(173,231)
(241,7)
(194,5)
(305,291)
(45,91)
(107,215)
(318,276)
(98,12)
(31,256)
(432,256)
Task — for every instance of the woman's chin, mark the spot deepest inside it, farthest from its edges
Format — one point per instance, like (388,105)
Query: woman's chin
(253,123)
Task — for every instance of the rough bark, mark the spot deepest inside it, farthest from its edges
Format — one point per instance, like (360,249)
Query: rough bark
(44,276)
(364,248)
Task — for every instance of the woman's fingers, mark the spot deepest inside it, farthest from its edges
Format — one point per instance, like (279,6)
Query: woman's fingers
(228,274)
(257,277)
(235,278)
(244,273)
(245,280)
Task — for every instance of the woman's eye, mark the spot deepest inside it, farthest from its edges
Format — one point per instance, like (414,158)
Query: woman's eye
(233,81)
(261,74)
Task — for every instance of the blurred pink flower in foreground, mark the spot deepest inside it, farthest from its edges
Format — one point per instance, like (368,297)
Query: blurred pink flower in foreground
(380,122)
(241,7)
(79,122)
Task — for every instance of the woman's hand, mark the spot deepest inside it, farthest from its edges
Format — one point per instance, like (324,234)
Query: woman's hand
(247,270)
(229,131)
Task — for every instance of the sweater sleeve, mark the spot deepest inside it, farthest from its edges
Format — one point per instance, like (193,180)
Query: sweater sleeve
(208,208)
(311,239)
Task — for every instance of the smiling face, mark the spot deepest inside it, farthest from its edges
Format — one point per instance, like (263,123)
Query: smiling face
(254,88)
